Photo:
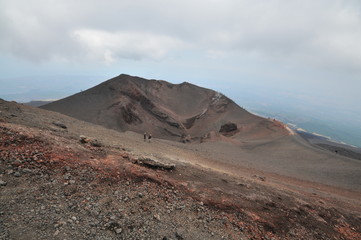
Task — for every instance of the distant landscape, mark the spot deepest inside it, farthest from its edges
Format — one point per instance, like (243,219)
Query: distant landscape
(335,122)
(338,131)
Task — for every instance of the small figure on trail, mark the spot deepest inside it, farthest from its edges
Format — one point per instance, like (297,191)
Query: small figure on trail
(145,136)
(150,137)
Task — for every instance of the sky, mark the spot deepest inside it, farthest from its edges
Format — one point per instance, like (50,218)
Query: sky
(303,50)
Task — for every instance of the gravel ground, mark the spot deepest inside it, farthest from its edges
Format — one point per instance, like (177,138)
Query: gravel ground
(53,186)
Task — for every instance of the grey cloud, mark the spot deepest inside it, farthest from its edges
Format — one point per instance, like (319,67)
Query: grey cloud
(318,32)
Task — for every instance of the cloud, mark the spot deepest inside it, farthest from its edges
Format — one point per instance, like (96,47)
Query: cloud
(315,33)
(311,33)
(110,46)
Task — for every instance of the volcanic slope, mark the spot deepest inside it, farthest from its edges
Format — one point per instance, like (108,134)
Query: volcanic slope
(62,178)
(170,111)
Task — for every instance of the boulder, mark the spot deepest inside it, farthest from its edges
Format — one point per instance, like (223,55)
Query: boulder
(92,141)
(152,163)
(95,143)
(84,139)
(228,127)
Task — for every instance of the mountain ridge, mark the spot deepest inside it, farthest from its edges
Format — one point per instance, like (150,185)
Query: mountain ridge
(166,110)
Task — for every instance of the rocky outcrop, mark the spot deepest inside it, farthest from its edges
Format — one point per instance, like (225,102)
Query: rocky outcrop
(228,128)
(186,139)
(219,102)
(153,163)
(92,141)
(137,96)
(129,115)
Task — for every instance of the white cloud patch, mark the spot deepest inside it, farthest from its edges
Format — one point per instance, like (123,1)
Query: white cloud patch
(111,46)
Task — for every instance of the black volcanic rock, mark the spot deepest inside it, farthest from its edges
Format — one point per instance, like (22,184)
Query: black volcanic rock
(228,127)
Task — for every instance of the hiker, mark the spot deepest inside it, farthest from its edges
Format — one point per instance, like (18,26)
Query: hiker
(145,136)
(150,137)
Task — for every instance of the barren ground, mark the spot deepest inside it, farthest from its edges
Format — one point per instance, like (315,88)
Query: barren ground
(54,186)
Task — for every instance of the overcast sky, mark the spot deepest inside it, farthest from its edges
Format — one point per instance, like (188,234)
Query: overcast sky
(305,49)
